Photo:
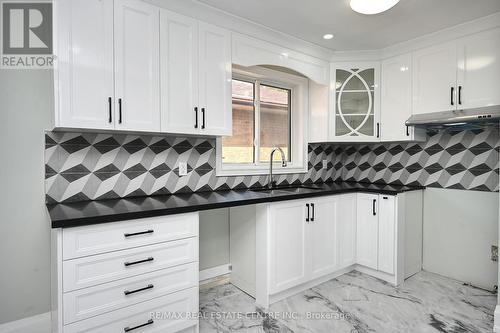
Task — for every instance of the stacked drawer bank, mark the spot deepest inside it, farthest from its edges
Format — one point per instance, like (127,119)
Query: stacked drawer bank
(137,275)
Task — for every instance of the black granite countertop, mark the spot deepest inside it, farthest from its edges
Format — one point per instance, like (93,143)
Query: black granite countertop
(65,215)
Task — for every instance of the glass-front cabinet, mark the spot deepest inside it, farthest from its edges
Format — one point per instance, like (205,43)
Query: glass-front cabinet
(356,101)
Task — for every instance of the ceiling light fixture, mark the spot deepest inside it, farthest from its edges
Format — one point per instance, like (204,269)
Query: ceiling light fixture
(370,7)
(328,36)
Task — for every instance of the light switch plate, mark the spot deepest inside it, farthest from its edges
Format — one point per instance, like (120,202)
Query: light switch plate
(325,164)
(183,169)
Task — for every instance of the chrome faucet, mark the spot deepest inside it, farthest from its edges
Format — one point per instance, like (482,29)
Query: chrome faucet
(271,183)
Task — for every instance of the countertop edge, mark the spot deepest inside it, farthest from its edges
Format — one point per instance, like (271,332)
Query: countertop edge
(108,218)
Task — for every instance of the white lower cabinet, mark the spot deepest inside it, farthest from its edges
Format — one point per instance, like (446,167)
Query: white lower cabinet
(301,243)
(139,275)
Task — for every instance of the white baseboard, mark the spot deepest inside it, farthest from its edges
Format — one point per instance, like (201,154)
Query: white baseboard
(496,325)
(210,273)
(36,324)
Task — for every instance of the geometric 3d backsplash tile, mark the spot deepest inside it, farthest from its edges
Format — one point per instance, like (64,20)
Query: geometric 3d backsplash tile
(92,166)
(448,159)
(95,166)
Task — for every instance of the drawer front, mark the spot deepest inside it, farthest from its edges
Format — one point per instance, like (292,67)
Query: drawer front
(90,271)
(153,314)
(96,239)
(89,302)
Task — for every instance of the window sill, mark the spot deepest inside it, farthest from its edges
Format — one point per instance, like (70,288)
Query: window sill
(258,170)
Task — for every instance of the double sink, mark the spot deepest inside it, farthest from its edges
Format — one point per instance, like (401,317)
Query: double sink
(280,190)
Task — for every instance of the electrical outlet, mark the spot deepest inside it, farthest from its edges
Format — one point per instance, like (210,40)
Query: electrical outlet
(183,169)
(494,253)
(325,164)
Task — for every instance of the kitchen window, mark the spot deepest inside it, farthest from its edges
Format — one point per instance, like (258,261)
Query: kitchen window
(269,109)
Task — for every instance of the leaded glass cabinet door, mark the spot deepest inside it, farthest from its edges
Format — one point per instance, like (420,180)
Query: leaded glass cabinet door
(356,102)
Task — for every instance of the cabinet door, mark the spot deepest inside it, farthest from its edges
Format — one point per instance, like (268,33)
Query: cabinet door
(367,230)
(345,217)
(215,80)
(84,76)
(434,79)
(323,239)
(288,245)
(179,73)
(137,72)
(396,99)
(357,102)
(479,70)
(386,233)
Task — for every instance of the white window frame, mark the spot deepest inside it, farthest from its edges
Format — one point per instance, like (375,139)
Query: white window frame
(299,87)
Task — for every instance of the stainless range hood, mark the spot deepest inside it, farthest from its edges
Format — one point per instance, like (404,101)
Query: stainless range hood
(469,118)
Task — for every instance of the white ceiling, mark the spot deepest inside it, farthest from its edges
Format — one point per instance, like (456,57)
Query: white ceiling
(311,19)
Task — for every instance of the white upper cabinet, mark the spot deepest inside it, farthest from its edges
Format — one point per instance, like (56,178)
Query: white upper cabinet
(396,100)
(107,74)
(356,101)
(215,80)
(137,80)
(461,74)
(179,73)
(196,76)
(84,73)
(478,80)
(434,79)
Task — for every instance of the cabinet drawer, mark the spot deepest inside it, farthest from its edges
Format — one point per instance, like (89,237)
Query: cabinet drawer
(95,239)
(90,271)
(93,301)
(152,314)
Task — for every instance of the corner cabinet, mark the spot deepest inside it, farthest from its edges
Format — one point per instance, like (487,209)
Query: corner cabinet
(195,61)
(356,102)
(107,72)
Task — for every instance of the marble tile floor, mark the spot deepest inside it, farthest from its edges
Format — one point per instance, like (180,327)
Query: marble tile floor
(355,303)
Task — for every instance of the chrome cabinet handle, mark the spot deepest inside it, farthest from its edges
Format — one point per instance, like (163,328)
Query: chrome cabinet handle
(127,263)
(128,292)
(128,329)
(138,233)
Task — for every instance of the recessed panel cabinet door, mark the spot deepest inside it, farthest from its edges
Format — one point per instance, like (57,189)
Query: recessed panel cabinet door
(137,70)
(367,230)
(345,217)
(215,80)
(179,73)
(85,64)
(479,70)
(323,236)
(288,245)
(434,78)
(386,233)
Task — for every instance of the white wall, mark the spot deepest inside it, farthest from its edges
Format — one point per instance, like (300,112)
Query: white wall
(25,111)
(214,238)
(459,229)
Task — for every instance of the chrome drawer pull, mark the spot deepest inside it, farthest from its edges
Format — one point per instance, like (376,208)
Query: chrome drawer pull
(128,329)
(150,231)
(127,292)
(138,262)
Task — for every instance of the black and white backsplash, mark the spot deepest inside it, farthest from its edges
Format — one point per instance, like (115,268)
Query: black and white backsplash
(448,159)
(92,166)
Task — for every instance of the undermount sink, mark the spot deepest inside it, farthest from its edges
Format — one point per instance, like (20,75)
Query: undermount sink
(287,189)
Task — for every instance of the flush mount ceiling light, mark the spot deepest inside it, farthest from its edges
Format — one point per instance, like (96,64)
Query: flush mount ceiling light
(328,36)
(370,7)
